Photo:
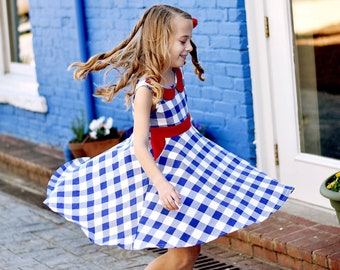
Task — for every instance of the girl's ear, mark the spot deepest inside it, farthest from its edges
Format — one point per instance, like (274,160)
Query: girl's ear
(194,22)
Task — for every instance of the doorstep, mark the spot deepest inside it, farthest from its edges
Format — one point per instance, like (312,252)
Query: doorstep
(32,161)
(284,239)
(289,241)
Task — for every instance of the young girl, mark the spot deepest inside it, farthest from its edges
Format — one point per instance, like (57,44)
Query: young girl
(166,186)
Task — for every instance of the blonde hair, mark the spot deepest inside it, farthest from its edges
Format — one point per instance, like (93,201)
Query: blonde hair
(145,52)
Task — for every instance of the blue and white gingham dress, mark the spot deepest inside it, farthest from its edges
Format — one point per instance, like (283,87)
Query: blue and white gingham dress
(113,201)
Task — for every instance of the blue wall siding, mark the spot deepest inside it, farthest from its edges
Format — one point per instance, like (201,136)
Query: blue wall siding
(223,102)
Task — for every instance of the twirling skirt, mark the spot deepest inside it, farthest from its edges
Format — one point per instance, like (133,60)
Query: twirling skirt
(113,201)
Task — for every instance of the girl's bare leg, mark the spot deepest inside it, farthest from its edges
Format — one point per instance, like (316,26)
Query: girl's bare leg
(176,259)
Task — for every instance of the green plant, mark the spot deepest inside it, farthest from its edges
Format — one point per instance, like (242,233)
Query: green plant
(78,128)
(334,183)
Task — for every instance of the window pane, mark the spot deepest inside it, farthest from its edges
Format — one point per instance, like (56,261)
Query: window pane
(20,32)
(317,39)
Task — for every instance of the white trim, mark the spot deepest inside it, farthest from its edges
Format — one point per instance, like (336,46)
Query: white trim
(265,137)
(23,69)
(18,84)
(22,92)
(4,40)
(318,160)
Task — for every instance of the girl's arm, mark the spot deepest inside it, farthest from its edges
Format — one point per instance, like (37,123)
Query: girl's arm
(168,195)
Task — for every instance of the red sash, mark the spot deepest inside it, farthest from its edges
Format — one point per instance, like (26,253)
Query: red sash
(158,135)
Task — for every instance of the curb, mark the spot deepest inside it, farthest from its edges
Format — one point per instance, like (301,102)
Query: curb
(27,169)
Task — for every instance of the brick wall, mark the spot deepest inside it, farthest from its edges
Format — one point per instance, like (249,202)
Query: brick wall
(223,102)
(55,46)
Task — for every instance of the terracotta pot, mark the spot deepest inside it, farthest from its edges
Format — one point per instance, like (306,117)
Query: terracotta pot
(95,148)
(76,149)
(333,196)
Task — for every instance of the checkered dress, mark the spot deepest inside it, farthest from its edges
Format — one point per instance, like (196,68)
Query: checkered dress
(114,202)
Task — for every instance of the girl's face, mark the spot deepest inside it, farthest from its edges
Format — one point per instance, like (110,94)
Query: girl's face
(180,45)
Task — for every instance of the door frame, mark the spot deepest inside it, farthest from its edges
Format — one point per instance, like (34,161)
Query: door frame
(265,137)
(273,85)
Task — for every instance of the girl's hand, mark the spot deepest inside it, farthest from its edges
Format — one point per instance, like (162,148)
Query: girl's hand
(168,195)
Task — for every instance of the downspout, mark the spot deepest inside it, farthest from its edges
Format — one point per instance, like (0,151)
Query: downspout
(84,55)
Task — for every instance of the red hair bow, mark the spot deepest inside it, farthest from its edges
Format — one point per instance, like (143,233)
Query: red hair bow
(194,22)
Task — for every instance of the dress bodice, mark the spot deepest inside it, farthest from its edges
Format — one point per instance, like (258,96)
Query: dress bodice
(173,108)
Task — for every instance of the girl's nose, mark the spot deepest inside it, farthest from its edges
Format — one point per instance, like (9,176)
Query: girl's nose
(188,47)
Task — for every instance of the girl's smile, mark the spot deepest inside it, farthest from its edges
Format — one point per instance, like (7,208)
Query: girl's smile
(184,56)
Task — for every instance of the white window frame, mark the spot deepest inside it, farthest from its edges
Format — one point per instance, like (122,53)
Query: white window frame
(18,82)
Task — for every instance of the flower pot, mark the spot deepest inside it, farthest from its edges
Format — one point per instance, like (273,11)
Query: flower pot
(76,149)
(94,148)
(333,196)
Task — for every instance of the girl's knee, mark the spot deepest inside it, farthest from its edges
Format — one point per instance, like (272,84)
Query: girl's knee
(187,257)
(196,252)
(197,249)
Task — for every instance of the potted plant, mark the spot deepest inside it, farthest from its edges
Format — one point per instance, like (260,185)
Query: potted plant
(99,137)
(330,189)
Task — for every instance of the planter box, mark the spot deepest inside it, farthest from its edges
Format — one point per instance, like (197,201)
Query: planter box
(76,149)
(94,148)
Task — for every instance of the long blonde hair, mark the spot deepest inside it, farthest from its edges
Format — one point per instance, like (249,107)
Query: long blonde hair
(145,52)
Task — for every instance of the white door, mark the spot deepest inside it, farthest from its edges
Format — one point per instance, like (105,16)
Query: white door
(295,62)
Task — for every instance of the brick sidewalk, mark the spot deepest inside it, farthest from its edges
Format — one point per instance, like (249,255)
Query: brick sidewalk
(283,239)
(33,237)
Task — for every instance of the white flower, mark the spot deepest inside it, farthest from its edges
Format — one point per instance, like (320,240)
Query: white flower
(93,134)
(108,124)
(98,127)
(97,123)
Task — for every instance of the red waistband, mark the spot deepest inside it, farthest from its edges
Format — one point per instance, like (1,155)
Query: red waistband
(158,135)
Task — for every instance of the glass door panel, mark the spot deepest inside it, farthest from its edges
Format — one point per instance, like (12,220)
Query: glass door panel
(316,26)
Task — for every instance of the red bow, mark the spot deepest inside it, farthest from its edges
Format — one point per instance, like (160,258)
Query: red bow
(194,22)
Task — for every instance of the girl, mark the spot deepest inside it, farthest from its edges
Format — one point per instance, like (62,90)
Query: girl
(166,186)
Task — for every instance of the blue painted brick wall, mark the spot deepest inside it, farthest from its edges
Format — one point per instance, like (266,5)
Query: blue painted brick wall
(54,44)
(223,102)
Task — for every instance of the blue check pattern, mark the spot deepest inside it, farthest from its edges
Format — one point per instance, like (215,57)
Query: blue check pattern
(112,200)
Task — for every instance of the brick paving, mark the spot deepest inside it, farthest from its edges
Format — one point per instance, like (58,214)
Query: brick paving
(33,237)
(283,241)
